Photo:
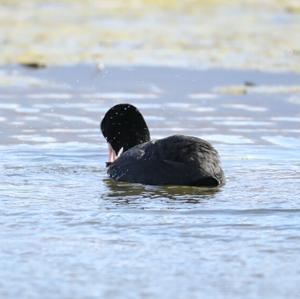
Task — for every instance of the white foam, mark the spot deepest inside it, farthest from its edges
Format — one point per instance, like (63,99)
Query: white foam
(200,96)
(290,142)
(34,138)
(62,96)
(230,139)
(246,107)
(9,106)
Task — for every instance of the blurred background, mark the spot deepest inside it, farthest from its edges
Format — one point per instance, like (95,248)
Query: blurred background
(252,34)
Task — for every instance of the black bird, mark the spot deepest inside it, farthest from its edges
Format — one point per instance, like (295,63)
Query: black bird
(174,160)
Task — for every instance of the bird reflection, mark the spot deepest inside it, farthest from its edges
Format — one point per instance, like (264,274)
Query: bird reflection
(127,192)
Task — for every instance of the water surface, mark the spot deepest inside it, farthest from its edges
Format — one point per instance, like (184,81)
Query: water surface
(67,231)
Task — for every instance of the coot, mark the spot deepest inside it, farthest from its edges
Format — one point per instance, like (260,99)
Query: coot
(174,160)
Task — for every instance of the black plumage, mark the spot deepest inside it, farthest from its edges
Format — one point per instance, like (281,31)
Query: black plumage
(124,126)
(175,160)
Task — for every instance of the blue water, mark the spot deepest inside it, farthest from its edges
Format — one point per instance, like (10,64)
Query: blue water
(67,231)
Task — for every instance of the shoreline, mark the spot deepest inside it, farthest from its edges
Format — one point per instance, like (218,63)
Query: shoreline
(250,35)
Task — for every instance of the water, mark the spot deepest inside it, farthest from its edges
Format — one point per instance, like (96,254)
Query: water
(67,231)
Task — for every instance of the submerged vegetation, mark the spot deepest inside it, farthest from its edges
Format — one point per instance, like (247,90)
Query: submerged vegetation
(250,34)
